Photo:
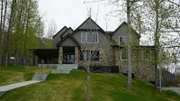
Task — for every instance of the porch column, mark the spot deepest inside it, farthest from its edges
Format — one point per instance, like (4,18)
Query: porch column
(60,55)
(76,55)
(36,60)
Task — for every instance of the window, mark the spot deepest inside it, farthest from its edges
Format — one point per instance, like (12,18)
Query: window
(124,54)
(90,55)
(83,37)
(146,55)
(123,40)
(87,37)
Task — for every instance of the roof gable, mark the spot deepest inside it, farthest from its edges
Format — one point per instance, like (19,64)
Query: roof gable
(68,36)
(89,24)
(125,24)
(61,31)
(68,31)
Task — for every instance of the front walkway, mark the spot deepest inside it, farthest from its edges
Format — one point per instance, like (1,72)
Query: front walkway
(175,89)
(4,89)
(16,85)
(38,77)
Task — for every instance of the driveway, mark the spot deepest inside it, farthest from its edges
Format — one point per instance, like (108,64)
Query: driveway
(175,89)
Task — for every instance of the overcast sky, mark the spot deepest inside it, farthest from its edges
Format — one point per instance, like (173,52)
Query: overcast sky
(73,12)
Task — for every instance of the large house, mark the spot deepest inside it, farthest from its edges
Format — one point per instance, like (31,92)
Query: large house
(104,48)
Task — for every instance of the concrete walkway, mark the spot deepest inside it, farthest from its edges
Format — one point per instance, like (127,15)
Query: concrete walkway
(16,85)
(38,77)
(175,89)
(4,89)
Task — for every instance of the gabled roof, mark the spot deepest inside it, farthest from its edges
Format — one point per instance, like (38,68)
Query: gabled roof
(64,39)
(60,31)
(86,21)
(66,31)
(124,23)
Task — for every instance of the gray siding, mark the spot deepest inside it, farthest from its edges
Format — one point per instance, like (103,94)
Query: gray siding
(69,31)
(57,38)
(68,42)
(89,24)
(103,41)
(123,31)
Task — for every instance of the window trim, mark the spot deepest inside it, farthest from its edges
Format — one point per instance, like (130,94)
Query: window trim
(86,34)
(82,37)
(122,37)
(143,56)
(89,53)
(121,55)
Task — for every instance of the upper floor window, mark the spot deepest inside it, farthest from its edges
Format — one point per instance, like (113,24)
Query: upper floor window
(88,37)
(123,40)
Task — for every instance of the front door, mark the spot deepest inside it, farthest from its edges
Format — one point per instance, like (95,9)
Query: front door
(69,59)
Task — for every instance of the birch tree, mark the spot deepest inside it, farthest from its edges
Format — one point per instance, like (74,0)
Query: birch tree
(10,29)
(4,4)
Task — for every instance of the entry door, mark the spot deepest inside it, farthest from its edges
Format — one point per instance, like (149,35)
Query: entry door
(69,59)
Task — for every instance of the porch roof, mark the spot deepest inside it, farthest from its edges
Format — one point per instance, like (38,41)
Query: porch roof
(46,53)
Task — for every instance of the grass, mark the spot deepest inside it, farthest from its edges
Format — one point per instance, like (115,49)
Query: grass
(72,87)
(11,74)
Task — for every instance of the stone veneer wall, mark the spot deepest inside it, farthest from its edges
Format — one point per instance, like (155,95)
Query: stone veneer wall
(60,55)
(144,69)
(76,55)
(106,58)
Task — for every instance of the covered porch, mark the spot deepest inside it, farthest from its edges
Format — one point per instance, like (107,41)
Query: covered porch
(68,55)
(68,50)
(45,56)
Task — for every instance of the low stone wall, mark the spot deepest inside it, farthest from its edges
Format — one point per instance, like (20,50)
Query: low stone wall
(47,65)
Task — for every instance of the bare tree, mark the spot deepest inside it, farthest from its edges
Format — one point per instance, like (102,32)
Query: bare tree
(52,28)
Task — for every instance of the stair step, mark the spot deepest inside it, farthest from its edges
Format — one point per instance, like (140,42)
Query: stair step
(64,68)
(40,77)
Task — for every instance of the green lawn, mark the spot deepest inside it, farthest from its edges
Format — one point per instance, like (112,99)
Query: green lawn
(11,74)
(72,87)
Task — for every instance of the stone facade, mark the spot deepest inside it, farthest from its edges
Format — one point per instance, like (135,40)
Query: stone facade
(142,68)
(76,55)
(60,55)
(105,58)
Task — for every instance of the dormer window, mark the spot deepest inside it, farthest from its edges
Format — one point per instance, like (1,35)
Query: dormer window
(89,37)
(123,40)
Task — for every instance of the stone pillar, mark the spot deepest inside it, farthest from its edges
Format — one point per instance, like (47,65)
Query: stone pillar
(36,60)
(76,55)
(60,55)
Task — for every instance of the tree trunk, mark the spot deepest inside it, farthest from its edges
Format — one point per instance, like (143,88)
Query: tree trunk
(18,31)
(9,32)
(26,33)
(129,47)
(160,80)
(88,84)
(1,34)
(156,43)
(2,31)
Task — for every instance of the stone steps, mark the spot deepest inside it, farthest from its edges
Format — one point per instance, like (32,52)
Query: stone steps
(64,68)
(40,77)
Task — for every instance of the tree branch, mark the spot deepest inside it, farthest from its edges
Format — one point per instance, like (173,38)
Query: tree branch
(174,3)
